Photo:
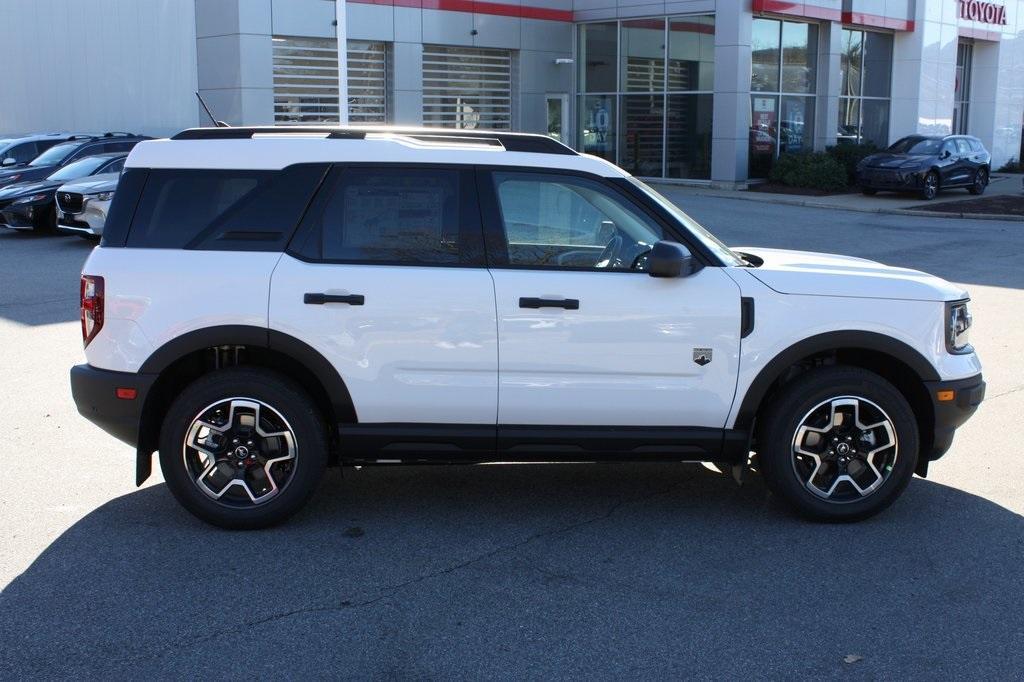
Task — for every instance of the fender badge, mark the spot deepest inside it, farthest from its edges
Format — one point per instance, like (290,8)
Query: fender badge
(702,356)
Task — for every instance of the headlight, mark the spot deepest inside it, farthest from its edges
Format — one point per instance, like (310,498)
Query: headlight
(958,327)
(102,196)
(30,200)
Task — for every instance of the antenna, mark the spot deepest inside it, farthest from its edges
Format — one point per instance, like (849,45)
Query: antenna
(218,124)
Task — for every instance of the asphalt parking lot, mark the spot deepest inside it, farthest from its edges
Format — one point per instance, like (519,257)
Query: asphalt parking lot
(540,571)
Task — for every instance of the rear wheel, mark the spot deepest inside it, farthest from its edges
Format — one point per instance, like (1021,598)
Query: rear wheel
(930,189)
(980,182)
(243,448)
(838,444)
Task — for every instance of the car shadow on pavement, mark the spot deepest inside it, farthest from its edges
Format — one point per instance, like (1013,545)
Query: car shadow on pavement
(39,276)
(526,571)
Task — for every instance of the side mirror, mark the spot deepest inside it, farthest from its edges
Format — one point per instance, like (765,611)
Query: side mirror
(671,259)
(9,161)
(945,154)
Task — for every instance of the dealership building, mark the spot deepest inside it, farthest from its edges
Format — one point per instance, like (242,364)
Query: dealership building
(688,90)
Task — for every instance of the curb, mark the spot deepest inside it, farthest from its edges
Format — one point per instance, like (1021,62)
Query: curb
(888,211)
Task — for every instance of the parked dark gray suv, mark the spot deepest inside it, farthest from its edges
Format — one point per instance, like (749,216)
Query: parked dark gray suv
(927,164)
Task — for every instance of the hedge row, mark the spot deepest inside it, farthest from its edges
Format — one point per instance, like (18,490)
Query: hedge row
(831,171)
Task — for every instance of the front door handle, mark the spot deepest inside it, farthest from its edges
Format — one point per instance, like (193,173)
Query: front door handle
(567,303)
(320,299)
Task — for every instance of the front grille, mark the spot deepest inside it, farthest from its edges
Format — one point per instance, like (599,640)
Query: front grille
(70,202)
(884,176)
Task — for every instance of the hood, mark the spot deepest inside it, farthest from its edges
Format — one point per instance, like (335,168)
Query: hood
(894,160)
(105,182)
(25,173)
(822,274)
(20,189)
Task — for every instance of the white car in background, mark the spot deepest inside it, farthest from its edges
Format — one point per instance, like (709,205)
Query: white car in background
(82,205)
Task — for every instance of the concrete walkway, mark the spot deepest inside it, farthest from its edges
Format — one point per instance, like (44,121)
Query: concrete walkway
(883,202)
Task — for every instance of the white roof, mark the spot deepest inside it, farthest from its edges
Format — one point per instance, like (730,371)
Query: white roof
(275,151)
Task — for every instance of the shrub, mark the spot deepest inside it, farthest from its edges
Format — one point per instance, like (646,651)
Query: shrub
(1011,166)
(810,171)
(849,155)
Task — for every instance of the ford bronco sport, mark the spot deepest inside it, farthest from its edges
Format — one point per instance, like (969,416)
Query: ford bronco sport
(266,302)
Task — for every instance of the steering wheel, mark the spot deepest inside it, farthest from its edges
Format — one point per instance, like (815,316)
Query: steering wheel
(610,255)
(619,254)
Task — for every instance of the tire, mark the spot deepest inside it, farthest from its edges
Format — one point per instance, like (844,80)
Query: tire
(868,191)
(48,223)
(931,186)
(814,396)
(980,182)
(290,424)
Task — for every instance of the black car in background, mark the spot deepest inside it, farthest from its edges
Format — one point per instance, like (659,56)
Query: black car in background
(18,150)
(32,205)
(59,155)
(927,164)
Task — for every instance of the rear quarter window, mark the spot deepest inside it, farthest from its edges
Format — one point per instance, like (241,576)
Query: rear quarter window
(222,210)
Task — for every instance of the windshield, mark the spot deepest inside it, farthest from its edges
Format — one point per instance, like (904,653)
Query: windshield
(916,145)
(80,168)
(55,154)
(710,241)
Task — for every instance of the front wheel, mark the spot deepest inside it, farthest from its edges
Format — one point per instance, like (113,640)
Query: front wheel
(243,448)
(980,182)
(930,188)
(838,444)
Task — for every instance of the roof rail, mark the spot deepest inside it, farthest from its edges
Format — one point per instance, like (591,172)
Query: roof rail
(512,142)
(233,133)
(119,133)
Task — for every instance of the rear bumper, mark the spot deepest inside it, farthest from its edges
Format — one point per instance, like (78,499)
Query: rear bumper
(95,394)
(951,414)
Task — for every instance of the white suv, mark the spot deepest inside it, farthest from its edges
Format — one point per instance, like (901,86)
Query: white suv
(269,301)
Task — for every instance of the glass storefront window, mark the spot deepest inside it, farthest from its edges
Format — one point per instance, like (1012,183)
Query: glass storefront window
(652,113)
(598,50)
(764,55)
(849,121)
(796,125)
(691,54)
(850,63)
(783,79)
(799,57)
(641,138)
(764,116)
(874,127)
(866,70)
(643,55)
(877,64)
(597,125)
(688,136)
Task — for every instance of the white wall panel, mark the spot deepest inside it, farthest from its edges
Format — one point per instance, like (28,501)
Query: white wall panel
(98,65)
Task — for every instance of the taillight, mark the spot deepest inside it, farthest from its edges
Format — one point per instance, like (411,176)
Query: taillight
(92,307)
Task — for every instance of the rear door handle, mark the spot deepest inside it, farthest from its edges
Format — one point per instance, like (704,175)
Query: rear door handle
(320,299)
(567,303)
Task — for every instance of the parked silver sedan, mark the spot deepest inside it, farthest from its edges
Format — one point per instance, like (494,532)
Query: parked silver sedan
(82,205)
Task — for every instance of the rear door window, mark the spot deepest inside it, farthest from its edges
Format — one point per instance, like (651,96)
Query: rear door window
(22,153)
(223,210)
(399,216)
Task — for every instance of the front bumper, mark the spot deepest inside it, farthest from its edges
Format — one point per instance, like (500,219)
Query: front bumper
(88,221)
(95,394)
(889,178)
(22,216)
(963,397)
